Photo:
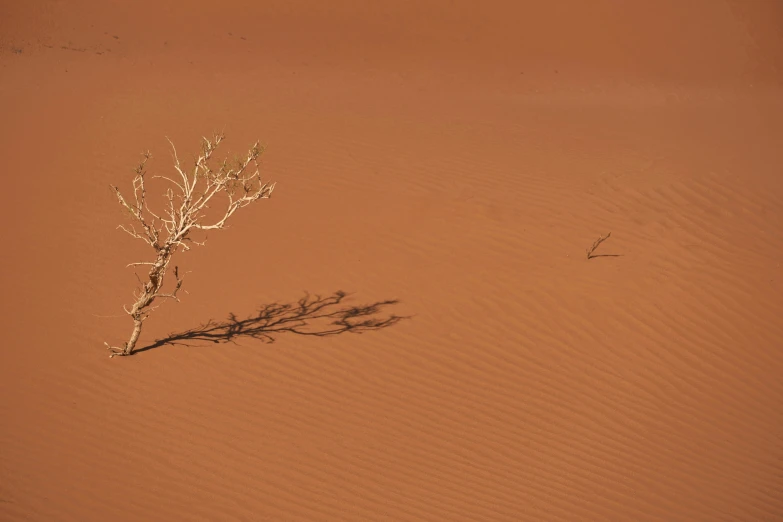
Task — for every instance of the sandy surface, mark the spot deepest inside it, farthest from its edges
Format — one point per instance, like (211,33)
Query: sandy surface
(456,156)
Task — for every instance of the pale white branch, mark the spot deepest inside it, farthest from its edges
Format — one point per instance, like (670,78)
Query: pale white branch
(178,167)
(171,180)
(169,296)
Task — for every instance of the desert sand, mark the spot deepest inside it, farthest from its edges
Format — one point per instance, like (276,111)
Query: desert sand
(449,162)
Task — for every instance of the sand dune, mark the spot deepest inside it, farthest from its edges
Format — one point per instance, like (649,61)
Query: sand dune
(456,156)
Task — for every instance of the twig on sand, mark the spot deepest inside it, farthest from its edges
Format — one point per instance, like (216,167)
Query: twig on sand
(596,244)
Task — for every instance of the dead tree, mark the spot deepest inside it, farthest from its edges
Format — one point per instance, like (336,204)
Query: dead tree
(191,192)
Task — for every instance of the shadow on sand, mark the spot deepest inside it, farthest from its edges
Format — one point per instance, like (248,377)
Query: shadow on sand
(311,315)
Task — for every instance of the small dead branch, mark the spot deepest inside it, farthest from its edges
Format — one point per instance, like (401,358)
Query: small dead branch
(596,244)
(194,188)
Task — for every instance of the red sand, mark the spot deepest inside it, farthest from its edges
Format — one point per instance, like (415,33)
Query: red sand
(458,156)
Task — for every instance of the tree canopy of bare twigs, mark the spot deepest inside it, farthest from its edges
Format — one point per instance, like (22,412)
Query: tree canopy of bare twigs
(192,190)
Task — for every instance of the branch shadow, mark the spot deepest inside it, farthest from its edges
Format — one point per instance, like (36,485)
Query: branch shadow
(591,256)
(311,315)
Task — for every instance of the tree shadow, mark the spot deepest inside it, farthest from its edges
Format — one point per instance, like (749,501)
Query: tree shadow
(311,315)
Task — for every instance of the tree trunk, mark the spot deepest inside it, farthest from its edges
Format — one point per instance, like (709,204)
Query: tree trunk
(131,344)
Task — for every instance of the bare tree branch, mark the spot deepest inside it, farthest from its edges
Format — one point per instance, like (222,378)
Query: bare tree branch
(590,251)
